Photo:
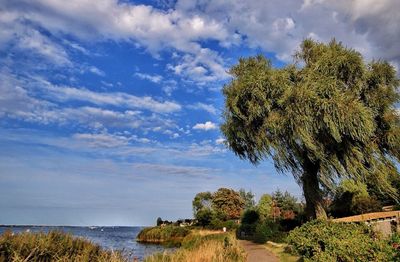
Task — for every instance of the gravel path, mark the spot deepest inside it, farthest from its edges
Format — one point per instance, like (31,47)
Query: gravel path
(257,253)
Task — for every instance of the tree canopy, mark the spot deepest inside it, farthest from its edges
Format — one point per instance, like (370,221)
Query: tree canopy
(229,202)
(328,116)
(265,206)
(201,201)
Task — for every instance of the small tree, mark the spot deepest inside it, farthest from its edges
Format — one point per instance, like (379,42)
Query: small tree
(265,207)
(327,116)
(202,200)
(159,221)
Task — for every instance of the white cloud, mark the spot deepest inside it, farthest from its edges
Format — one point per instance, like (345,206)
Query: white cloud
(154,29)
(65,93)
(203,66)
(205,126)
(187,171)
(18,101)
(32,40)
(169,86)
(101,140)
(96,71)
(206,107)
(152,78)
(371,27)
(220,141)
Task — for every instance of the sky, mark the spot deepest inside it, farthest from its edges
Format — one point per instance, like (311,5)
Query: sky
(110,110)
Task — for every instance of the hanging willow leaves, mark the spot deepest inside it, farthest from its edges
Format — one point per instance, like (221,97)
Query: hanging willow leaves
(326,117)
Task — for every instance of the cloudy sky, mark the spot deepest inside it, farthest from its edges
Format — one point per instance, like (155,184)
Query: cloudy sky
(110,110)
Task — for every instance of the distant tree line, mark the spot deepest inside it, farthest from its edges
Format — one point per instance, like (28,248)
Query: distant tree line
(226,206)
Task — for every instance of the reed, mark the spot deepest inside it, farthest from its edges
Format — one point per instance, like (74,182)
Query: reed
(52,246)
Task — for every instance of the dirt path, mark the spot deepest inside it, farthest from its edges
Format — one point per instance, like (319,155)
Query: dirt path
(257,253)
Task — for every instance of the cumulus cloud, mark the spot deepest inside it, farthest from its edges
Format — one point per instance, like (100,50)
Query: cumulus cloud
(205,126)
(372,27)
(153,29)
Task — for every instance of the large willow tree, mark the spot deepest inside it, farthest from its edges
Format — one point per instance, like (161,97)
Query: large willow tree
(326,117)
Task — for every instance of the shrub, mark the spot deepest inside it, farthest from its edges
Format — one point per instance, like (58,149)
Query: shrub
(166,234)
(216,223)
(268,230)
(230,224)
(250,217)
(329,241)
(52,246)
(204,217)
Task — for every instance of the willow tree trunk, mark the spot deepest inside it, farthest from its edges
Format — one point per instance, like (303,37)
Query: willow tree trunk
(312,192)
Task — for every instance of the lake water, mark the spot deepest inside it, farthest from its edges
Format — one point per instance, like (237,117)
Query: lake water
(111,238)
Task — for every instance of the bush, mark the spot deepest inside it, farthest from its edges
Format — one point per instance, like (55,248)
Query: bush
(250,217)
(204,217)
(329,241)
(52,246)
(268,230)
(167,235)
(230,224)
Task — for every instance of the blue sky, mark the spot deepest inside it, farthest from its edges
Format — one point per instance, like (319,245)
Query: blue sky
(110,110)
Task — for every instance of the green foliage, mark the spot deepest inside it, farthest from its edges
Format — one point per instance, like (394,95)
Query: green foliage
(358,189)
(212,210)
(395,243)
(159,221)
(285,201)
(259,231)
(323,241)
(248,198)
(202,200)
(52,246)
(265,207)
(171,235)
(229,202)
(267,230)
(204,217)
(333,117)
(352,198)
(250,217)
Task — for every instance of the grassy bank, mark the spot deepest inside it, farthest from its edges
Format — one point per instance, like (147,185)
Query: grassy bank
(53,246)
(197,247)
(169,235)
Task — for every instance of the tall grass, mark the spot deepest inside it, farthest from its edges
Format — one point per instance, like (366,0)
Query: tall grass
(210,248)
(54,246)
